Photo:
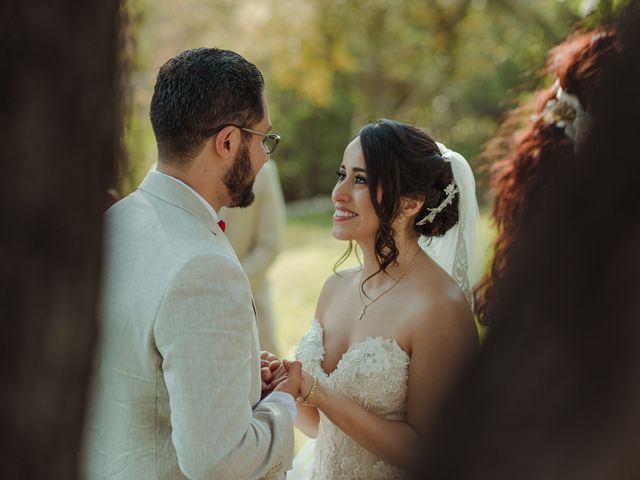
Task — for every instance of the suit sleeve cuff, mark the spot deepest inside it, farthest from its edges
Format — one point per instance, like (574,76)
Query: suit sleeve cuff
(285,399)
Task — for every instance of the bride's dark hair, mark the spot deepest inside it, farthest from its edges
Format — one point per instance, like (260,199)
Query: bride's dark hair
(526,158)
(403,161)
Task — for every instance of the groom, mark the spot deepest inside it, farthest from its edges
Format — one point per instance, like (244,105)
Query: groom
(177,388)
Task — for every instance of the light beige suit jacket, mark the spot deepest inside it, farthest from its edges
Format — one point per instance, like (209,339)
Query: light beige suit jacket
(177,380)
(257,235)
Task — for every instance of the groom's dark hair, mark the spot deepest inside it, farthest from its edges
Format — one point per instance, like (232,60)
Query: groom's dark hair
(198,91)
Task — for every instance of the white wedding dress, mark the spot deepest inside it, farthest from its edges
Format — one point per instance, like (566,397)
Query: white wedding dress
(374,373)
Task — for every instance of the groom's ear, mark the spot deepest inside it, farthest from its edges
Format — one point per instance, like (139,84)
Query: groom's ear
(410,206)
(227,142)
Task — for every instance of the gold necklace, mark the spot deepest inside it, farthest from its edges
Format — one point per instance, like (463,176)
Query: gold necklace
(396,282)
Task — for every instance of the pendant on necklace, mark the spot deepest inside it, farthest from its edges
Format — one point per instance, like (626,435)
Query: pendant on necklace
(364,310)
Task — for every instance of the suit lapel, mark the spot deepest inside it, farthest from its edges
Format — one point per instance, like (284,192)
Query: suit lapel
(171,191)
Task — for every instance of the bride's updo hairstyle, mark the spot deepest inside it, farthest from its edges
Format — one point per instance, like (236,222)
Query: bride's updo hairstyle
(403,161)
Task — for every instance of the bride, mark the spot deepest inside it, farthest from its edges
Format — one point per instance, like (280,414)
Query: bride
(389,338)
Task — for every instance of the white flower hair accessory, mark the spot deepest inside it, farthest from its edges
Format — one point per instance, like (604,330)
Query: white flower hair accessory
(565,111)
(451,190)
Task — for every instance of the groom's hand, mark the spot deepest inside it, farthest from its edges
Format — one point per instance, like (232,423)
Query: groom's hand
(291,383)
(268,356)
(270,370)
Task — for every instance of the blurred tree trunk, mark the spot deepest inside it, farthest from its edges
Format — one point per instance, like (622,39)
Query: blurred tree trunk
(59,126)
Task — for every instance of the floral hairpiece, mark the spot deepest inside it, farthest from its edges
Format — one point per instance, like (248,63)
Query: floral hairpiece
(565,111)
(451,191)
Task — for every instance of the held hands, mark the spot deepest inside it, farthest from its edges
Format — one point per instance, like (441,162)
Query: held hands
(285,375)
(271,370)
(291,381)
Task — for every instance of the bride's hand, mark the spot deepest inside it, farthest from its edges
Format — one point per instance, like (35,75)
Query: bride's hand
(290,382)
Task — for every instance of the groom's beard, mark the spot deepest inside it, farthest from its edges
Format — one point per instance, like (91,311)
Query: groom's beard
(239,179)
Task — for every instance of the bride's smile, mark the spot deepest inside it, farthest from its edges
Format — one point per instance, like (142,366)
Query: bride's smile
(343,215)
(354,217)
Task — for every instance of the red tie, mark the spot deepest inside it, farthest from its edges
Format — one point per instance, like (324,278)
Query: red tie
(222,224)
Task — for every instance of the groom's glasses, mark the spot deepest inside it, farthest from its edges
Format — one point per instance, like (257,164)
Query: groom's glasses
(269,140)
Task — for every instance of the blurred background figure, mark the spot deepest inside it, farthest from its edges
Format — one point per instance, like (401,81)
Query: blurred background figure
(257,234)
(525,159)
(554,393)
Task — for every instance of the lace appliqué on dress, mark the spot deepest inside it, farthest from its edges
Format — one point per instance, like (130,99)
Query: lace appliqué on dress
(372,372)
(310,350)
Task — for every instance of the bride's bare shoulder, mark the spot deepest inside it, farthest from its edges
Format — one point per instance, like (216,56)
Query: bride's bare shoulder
(444,316)
(339,279)
(345,275)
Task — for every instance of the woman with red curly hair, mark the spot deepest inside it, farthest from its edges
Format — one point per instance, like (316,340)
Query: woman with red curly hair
(555,389)
(527,157)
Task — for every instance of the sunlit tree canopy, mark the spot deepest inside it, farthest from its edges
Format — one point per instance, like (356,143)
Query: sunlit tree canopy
(450,66)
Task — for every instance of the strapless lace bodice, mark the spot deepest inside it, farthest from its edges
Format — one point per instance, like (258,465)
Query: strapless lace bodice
(372,372)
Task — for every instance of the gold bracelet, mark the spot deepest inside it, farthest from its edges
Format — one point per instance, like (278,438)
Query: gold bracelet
(314,386)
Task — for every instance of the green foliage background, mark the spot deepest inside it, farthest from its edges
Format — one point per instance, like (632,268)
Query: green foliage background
(450,66)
